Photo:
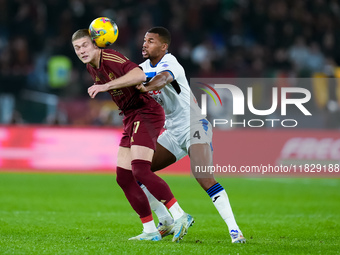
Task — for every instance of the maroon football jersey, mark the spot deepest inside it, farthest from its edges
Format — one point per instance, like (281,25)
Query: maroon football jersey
(114,65)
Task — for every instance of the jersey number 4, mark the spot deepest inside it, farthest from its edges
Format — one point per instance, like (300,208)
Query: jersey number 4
(197,135)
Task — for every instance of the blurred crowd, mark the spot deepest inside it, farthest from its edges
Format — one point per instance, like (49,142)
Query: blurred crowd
(210,38)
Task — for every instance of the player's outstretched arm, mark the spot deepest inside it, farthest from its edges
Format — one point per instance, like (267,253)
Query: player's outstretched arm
(157,82)
(132,78)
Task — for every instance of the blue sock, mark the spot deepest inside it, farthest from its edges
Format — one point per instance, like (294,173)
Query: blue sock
(213,190)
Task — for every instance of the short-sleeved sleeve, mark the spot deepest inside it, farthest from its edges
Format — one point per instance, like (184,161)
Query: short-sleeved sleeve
(117,62)
(171,65)
(128,66)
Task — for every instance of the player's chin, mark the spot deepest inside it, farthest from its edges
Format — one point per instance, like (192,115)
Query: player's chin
(85,61)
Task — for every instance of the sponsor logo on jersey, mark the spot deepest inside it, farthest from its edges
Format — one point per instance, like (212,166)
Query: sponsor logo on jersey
(155,95)
(116,92)
(156,92)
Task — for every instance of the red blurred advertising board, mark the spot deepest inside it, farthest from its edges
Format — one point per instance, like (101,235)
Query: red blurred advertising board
(27,148)
(257,152)
(296,152)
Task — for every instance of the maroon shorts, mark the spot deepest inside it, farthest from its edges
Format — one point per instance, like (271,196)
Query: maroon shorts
(142,126)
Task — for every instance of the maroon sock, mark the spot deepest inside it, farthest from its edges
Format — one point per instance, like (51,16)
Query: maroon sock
(134,193)
(141,170)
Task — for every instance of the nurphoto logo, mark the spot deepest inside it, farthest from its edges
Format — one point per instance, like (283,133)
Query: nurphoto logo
(280,98)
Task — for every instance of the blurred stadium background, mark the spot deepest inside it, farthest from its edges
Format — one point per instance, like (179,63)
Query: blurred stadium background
(45,111)
(49,124)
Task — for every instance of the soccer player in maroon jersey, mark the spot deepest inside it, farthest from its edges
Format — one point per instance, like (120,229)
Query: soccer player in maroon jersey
(143,120)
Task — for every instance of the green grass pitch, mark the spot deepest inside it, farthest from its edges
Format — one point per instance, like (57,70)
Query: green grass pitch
(88,214)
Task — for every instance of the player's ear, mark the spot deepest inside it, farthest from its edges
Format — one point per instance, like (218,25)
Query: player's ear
(94,45)
(165,47)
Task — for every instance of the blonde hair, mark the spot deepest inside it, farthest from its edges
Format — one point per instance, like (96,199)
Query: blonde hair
(80,34)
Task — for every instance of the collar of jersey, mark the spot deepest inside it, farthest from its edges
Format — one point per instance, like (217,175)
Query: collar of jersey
(158,61)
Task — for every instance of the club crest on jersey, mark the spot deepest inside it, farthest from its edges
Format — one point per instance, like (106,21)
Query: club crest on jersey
(111,75)
(97,79)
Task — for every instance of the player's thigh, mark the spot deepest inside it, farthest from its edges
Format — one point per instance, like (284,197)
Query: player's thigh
(141,152)
(168,150)
(200,143)
(200,154)
(162,158)
(124,158)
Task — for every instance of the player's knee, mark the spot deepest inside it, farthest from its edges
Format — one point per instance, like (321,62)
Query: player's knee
(140,174)
(124,177)
(141,169)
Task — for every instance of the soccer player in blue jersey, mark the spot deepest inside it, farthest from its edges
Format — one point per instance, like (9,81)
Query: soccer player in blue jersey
(187,132)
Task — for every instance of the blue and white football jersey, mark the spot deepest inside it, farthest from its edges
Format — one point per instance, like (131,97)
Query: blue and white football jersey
(180,108)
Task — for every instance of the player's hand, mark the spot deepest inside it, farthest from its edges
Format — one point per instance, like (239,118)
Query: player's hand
(141,88)
(95,89)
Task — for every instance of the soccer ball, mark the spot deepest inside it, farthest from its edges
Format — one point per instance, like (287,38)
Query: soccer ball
(103,32)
